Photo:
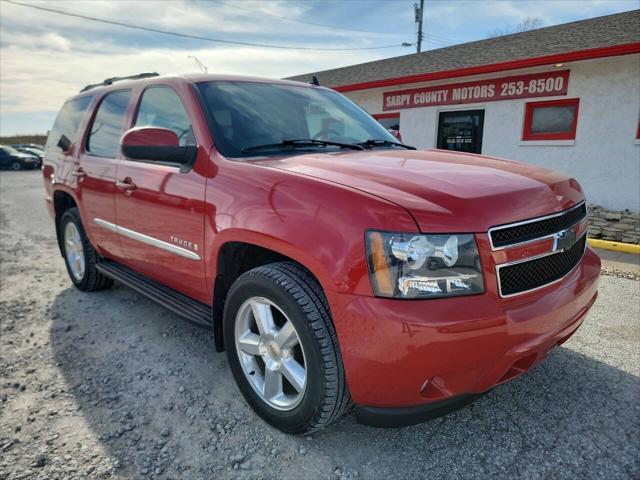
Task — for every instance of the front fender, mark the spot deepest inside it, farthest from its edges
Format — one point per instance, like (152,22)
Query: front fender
(318,224)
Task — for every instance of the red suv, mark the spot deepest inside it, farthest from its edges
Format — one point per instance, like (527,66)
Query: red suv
(334,264)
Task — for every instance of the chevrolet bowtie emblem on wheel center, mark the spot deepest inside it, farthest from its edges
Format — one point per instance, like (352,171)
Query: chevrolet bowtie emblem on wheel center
(564,240)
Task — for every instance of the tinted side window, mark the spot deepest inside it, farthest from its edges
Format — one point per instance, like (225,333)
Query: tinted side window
(161,107)
(68,121)
(104,139)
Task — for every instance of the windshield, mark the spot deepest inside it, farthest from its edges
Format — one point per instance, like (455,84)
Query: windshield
(247,115)
(11,150)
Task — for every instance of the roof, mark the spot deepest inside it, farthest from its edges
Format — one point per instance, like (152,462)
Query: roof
(153,78)
(594,33)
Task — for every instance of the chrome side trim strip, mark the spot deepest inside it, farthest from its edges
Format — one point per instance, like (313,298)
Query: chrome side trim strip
(105,224)
(536,257)
(141,237)
(533,220)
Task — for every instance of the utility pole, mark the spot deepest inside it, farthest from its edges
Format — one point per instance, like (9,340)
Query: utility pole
(419,10)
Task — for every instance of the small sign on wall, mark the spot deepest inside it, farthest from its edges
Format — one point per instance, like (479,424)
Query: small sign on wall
(542,84)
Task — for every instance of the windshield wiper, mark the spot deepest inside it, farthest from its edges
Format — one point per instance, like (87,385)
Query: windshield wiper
(302,143)
(383,143)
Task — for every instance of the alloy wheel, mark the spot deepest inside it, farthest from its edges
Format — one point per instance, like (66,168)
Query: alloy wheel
(74,251)
(270,353)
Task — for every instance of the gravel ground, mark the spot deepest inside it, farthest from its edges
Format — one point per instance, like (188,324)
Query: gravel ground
(110,385)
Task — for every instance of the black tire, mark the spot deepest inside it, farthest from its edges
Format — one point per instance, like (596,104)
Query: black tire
(16,165)
(301,298)
(92,279)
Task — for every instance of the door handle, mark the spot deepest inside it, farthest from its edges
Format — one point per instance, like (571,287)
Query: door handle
(127,184)
(79,173)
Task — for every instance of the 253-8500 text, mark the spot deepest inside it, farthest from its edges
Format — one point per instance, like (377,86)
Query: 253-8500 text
(540,85)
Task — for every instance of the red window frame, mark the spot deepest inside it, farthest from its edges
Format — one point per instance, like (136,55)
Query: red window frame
(528,117)
(378,116)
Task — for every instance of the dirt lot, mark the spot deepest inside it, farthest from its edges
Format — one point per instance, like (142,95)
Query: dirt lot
(109,385)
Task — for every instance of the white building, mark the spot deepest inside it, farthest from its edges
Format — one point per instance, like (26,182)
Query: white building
(565,97)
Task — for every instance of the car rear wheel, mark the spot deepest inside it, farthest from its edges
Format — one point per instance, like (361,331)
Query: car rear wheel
(79,255)
(282,348)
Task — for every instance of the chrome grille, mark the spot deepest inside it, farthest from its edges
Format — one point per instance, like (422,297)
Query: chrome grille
(536,228)
(528,275)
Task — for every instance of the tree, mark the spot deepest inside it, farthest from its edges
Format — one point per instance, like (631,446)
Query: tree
(529,23)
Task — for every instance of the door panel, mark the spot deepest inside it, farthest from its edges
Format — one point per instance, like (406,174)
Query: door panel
(97,201)
(167,207)
(96,172)
(162,206)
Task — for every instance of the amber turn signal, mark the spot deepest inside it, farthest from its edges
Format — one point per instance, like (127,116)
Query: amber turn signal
(380,264)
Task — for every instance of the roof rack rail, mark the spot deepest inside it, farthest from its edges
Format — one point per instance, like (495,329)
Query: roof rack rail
(109,81)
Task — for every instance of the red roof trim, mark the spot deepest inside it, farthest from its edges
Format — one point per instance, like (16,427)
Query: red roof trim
(589,54)
(379,116)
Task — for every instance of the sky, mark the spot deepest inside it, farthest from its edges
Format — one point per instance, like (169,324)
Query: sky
(46,57)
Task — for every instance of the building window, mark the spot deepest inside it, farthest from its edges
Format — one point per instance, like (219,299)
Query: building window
(388,120)
(553,120)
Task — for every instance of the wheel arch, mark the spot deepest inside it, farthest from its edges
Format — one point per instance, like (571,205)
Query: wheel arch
(62,201)
(235,257)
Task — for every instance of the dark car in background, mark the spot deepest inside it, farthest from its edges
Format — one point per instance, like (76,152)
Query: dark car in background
(33,146)
(16,160)
(31,150)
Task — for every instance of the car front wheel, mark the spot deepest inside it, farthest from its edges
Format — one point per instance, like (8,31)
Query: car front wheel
(282,348)
(16,165)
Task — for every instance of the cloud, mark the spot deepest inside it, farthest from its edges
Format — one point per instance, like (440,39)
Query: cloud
(46,57)
(53,74)
(458,16)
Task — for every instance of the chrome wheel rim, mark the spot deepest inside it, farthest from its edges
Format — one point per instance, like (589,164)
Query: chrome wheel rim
(74,251)
(270,353)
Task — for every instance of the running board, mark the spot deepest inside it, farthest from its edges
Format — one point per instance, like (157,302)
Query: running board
(186,307)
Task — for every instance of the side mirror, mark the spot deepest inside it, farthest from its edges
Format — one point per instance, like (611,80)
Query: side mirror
(395,133)
(157,145)
(64,143)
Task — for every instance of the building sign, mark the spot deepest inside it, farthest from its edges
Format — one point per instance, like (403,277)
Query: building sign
(543,84)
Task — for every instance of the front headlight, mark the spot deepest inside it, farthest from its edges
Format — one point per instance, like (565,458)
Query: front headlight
(423,266)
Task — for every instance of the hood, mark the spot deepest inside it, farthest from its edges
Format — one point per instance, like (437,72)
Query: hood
(444,191)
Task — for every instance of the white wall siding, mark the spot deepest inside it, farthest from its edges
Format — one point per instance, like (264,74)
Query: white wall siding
(605,156)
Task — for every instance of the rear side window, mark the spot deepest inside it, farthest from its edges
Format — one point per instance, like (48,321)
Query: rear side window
(161,107)
(108,124)
(68,121)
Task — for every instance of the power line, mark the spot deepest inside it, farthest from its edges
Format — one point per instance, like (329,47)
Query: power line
(426,36)
(198,37)
(436,42)
(453,41)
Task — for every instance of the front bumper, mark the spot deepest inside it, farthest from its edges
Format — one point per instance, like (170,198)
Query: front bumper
(432,355)
(393,417)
